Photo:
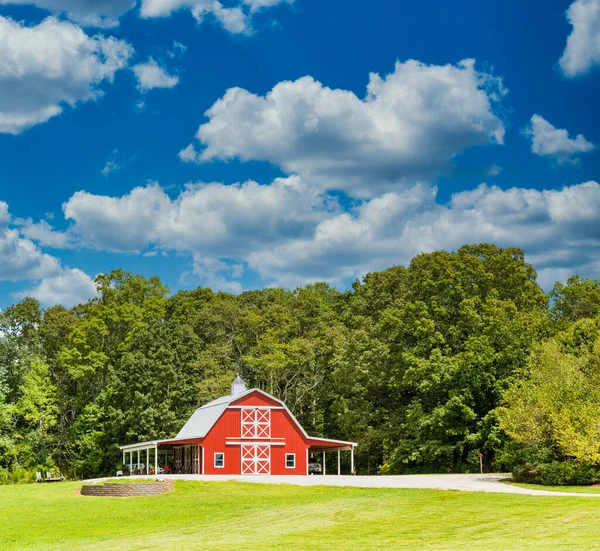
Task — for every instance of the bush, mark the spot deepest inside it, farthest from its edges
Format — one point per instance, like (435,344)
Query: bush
(567,473)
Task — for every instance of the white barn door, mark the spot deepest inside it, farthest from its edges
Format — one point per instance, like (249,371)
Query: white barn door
(256,459)
(256,423)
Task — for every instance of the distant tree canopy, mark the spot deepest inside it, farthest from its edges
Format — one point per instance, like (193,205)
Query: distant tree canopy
(411,363)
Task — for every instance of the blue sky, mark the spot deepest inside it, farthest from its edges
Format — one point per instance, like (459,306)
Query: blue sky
(236,144)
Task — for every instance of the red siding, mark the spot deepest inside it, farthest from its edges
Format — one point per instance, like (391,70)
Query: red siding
(255,399)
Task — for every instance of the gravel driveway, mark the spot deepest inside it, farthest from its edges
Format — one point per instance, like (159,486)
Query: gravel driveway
(461,482)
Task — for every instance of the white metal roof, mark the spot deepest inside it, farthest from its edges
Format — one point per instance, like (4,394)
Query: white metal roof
(203,419)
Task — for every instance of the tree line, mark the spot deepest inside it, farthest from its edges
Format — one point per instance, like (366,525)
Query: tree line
(424,366)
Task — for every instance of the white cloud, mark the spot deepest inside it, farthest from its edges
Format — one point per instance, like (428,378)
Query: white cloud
(69,287)
(256,5)
(214,220)
(218,275)
(110,166)
(4,215)
(290,234)
(558,229)
(411,124)
(582,52)
(43,234)
(233,19)
(49,65)
(177,50)
(546,140)
(92,13)
(22,259)
(151,75)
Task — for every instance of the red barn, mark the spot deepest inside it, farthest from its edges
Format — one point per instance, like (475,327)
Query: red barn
(248,432)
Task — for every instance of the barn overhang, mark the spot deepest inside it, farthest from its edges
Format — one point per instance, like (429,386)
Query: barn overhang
(329,445)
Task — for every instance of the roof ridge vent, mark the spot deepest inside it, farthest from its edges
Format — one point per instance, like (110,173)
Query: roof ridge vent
(238,386)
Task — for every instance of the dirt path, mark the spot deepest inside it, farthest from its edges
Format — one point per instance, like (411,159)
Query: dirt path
(462,482)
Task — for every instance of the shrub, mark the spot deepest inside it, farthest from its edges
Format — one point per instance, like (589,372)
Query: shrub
(567,473)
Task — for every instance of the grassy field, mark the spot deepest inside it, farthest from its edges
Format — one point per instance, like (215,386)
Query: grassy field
(230,515)
(574,489)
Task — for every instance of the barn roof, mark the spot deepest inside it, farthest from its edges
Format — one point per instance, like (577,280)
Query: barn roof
(206,416)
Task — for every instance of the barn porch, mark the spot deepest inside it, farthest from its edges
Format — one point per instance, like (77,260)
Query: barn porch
(320,447)
(163,457)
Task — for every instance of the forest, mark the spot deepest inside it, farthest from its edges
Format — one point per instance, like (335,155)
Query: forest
(424,366)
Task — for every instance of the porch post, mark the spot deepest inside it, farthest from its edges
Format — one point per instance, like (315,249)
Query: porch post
(324,466)
(352,460)
(138,459)
(123,459)
(147,461)
(156,459)
(339,468)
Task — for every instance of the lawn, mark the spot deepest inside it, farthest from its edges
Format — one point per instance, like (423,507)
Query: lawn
(233,515)
(573,489)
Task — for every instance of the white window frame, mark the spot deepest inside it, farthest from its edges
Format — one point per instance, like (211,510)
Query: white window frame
(215,460)
(286,460)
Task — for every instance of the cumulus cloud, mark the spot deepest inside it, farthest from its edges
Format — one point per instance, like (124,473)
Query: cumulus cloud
(546,140)
(216,224)
(50,65)
(92,13)
(70,287)
(204,218)
(410,124)
(291,234)
(22,259)
(582,51)
(558,229)
(151,75)
(43,234)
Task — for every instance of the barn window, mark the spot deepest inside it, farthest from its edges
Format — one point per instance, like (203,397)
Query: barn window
(290,460)
(219,460)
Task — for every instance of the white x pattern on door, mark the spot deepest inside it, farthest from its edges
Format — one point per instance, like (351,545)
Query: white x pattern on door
(256,423)
(256,459)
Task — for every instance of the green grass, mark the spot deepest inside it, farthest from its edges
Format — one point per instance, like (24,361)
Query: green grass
(230,515)
(573,489)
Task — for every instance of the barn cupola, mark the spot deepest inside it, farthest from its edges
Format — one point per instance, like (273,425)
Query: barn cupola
(238,386)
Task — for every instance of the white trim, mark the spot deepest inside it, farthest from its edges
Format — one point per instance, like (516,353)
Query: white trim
(215,460)
(286,460)
(333,441)
(139,446)
(254,443)
(306,461)
(256,407)
(249,439)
